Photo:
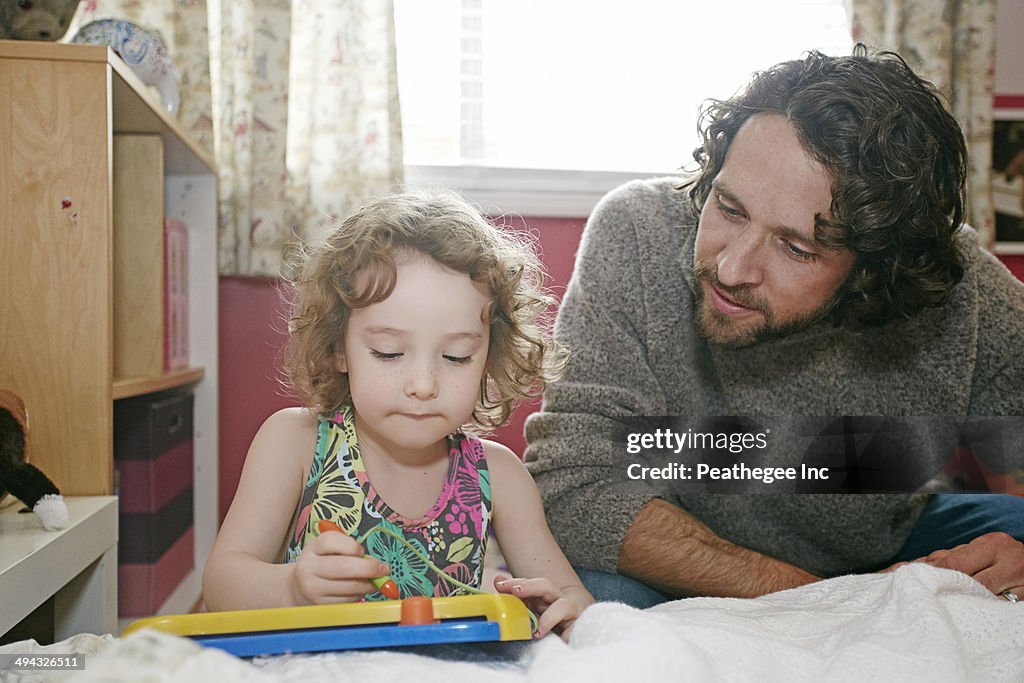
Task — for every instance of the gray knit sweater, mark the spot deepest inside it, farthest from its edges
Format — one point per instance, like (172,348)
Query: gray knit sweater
(627,317)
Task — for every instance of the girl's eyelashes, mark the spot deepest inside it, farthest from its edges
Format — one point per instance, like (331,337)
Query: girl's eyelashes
(457,360)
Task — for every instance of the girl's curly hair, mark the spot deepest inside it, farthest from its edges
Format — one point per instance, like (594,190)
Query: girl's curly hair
(898,163)
(356,267)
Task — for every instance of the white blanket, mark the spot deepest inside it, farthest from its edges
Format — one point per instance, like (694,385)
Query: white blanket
(918,623)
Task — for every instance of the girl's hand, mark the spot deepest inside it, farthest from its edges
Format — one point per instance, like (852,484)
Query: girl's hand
(557,612)
(331,569)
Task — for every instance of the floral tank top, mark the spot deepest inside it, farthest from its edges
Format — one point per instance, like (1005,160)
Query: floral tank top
(453,533)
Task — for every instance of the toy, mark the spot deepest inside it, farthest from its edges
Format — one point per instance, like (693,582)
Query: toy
(384,584)
(23,480)
(474,618)
(358,625)
(36,19)
(142,50)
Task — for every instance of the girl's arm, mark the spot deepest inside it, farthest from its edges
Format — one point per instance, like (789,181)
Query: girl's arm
(244,570)
(549,585)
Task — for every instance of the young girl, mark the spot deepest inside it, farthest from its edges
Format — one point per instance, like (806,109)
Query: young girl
(414,320)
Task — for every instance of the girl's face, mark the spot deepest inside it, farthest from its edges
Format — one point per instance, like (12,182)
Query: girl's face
(415,360)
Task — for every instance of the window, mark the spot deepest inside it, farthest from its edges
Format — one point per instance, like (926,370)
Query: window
(492,88)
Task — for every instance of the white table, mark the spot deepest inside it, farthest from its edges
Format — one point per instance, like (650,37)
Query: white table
(76,566)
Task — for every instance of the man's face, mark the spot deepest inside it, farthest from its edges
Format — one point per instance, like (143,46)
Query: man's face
(760,272)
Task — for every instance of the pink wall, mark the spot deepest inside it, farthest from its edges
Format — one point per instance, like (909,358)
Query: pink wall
(1015,262)
(251,337)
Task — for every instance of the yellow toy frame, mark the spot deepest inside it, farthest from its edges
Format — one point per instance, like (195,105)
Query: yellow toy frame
(344,626)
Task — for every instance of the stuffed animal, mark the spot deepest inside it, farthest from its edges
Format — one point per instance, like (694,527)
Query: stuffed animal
(36,19)
(23,480)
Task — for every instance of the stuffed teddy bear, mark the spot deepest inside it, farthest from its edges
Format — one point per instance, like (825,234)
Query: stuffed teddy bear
(36,19)
(23,480)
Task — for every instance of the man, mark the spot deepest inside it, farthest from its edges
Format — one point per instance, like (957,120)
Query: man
(814,266)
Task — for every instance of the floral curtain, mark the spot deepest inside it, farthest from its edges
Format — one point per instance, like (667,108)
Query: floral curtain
(952,44)
(297,99)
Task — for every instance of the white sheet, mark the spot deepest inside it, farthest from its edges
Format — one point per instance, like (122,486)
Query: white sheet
(918,623)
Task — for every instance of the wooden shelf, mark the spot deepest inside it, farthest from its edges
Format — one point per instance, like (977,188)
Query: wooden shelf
(136,386)
(66,113)
(139,109)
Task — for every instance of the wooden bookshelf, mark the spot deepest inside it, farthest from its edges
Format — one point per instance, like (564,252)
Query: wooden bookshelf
(90,165)
(137,386)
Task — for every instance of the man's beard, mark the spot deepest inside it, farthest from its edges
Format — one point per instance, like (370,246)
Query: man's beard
(720,330)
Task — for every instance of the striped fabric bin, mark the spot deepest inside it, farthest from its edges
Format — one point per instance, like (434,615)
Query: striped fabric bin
(153,458)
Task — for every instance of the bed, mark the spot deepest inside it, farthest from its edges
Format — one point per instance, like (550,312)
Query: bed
(916,623)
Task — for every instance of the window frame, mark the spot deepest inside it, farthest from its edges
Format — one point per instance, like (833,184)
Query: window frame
(534,192)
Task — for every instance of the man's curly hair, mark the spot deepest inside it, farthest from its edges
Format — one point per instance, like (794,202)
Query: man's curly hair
(356,267)
(898,162)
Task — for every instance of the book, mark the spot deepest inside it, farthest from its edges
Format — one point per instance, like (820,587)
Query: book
(175,295)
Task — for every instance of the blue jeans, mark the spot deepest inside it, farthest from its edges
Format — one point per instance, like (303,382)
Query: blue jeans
(948,519)
(618,588)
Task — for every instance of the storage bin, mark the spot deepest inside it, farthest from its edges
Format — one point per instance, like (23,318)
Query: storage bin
(153,461)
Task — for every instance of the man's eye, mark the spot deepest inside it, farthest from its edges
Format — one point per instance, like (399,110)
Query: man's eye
(728,211)
(799,253)
(458,360)
(384,356)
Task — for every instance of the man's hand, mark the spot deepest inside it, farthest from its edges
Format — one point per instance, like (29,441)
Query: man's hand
(995,560)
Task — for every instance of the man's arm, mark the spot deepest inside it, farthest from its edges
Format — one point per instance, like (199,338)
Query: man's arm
(603,322)
(668,548)
(998,386)
(994,429)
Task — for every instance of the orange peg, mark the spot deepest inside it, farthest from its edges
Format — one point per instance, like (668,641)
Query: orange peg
(417,611)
